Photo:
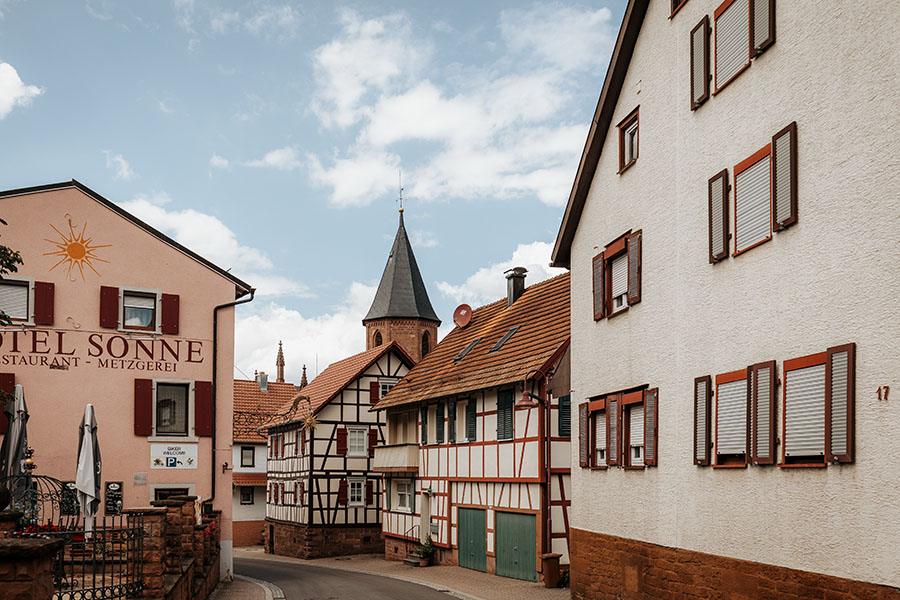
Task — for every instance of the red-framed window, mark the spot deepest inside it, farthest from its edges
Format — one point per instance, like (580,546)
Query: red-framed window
(620,429)
(753,201)
(628,139)
(617,275)
(732,432)
(744,29)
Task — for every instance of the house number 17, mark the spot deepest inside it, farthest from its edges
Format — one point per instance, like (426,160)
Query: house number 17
(883,392)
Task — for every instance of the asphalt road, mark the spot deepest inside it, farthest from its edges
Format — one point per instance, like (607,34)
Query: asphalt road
(306,582)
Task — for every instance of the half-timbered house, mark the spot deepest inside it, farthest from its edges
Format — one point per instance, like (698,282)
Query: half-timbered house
(477,456)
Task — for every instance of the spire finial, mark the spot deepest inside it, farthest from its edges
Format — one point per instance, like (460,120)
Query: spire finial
(400,185)
(279,364)
(303,381)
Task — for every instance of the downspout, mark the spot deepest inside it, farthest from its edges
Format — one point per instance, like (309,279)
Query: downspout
(215,372)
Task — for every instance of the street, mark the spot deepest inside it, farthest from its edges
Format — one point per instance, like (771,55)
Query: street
(304,582)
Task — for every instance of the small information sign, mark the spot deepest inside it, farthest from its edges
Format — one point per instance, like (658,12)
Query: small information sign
(173,456)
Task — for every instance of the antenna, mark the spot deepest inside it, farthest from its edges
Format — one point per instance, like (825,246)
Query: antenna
(400,185)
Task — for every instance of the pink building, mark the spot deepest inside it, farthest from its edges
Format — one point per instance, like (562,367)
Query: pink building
(107,310)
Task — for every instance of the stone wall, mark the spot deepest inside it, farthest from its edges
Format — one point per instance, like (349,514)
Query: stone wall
(303,541)
(614,568)
(396,549)
(25,572)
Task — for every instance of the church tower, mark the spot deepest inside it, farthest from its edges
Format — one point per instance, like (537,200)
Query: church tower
(401,311)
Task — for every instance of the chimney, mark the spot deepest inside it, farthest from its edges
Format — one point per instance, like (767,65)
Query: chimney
(262,380)
(515,284)
(279,365)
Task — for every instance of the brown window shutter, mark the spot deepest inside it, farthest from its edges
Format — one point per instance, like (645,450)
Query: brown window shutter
(651,426)
(302,441)
(282,436)
(373,440)
(762,26)
(700,63)
(840,398)
(143,407)
(302,494)
(109,307)
(269,493)
(170,309)
(43,303)
(634,267)
(599,285)
(613,430)
(341,433)
(718,216)
(583,434)
(342,492)
(374,389)
(7,386)
(370,491)
(763,383)
(282,492)
(203,408)
(702,410)
(784,177)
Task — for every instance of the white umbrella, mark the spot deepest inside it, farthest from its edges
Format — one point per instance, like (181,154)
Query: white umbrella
(15,442)
(87,474)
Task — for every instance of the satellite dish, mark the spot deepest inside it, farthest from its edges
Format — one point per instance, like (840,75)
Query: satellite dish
(462,315)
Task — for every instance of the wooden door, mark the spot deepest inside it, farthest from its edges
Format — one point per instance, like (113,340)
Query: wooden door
(516,545)
(472,539)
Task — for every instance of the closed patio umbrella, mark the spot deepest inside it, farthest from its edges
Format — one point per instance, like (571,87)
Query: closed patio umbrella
(15,442)
(87,474)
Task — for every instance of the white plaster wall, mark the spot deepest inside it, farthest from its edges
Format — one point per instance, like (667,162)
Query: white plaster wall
(249,512)
(259,451)
(830,279)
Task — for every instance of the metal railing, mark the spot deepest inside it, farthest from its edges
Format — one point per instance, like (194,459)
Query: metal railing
(412,530)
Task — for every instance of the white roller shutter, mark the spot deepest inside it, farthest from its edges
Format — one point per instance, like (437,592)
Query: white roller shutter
(619,285)
(752,192)
(732,41)
(636,433)
(599,438)
(731,418)
(139,301)
(804,412)
(14,300)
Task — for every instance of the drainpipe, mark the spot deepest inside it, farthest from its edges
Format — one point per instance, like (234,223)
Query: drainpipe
(215,370)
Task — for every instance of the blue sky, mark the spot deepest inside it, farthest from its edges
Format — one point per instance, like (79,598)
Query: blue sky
(268,137)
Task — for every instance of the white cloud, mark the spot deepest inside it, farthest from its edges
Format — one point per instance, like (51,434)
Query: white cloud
(278,22)
(193,45)
(5,4)
(321,339)
(165,107)
(13,92)
(219,162)
(357,180)
(212,239)
(99,9)
(120,165)
(282,159)
(488,284)
(184,14)
(423,239)
(224,21)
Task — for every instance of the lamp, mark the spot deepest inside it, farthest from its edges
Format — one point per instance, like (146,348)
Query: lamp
(528,399)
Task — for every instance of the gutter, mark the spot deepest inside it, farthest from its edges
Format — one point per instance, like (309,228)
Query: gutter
(215,372)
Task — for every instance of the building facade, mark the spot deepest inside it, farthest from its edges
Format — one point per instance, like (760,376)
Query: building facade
(467,463)
(733,334)
(106,310)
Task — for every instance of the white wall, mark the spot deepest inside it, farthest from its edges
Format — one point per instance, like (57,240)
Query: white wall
(830,279)
(249,512)
(259,462)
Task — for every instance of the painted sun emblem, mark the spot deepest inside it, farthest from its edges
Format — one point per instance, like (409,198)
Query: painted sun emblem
(75,250)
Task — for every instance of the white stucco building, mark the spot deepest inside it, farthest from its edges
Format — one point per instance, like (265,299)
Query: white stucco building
(744,231)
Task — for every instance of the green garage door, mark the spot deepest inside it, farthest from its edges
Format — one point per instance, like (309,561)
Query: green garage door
(471,535)
(515,545)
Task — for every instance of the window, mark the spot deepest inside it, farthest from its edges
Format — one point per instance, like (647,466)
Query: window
(744,30)
(619,429)
(565,416)
(139,310)
(385,384)
(377,338)
(171,409)
(466,350)
(676,6)
(599,445)
(356,492)
(15,298)
(248,456)
(504,339)
(246,494)
(634,434)
(451,421)
(426,344)
(472,420)
(439,423)
(732,418)
(424,424)
(357,440)
(819,404)
(617,276)
(752,202)
(166,493)
(404,490)
(505,415)
(628,140)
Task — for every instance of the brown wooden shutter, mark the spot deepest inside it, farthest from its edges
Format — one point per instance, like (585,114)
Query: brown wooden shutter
(374,389)
(341,433)
(702,410)
(170,310)
(583,434)
(302,442)
(8,386)
(613,431)
(718,216)
(840,398)
(302,496)
(282,492)
(143,407)
(763,381)
(203,400)
(342,492)
(43,303)
(599,287)
(269,493)
(109,307)
(634,267)
(700,63)
(370,491)
(784,177)
(651,426)
(281,437)
(762,26)
(373,440)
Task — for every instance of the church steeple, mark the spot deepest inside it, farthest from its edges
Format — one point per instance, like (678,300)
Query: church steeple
(279,365)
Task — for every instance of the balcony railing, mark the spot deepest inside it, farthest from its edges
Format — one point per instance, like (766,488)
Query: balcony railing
(397,458)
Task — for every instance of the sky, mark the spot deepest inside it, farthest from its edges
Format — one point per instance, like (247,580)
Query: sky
(273,138)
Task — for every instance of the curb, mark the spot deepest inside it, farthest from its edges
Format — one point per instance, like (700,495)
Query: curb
(273,592)
(437,587)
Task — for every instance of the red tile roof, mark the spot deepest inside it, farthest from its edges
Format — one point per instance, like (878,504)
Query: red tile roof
(542,315)
(248,478)
(253,407)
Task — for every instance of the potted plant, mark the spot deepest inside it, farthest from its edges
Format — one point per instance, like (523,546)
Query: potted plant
(426,552)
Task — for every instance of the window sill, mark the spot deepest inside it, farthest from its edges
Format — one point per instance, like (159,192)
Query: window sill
(726,466)
(803,466)
(624,309)
(356,505)
(598,468)
(172,439)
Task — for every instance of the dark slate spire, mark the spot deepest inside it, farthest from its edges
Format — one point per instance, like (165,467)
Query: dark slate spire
(401,292)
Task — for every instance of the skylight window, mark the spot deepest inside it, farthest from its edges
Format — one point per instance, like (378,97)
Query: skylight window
(505,337)
(466,350)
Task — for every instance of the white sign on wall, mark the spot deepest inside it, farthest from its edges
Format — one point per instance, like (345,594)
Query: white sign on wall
(173,456)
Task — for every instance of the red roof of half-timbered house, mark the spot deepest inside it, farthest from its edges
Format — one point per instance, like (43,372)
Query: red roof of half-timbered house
(541,314)
(253,406)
